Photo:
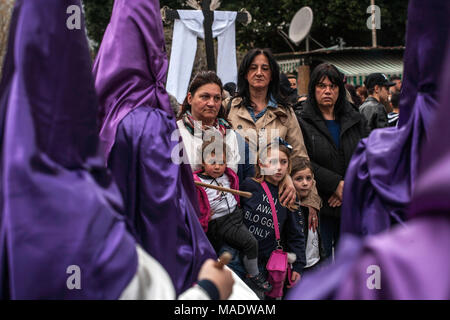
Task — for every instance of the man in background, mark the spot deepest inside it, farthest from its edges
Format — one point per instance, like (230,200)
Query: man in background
(376,106)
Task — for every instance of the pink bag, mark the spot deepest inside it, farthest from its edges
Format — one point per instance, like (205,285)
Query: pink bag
(277,271)
(277,266)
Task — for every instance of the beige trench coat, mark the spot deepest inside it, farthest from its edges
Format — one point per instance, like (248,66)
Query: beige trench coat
(276,122)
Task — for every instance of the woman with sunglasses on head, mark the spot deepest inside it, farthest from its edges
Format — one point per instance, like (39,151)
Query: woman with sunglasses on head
(260,113)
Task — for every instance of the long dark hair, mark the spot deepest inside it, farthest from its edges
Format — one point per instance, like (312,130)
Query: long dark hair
(200,79)
(327,70)
(274,85)
(356,99)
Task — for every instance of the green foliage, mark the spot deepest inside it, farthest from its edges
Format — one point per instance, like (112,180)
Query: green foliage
(332,19)
(6,8)
(98,14)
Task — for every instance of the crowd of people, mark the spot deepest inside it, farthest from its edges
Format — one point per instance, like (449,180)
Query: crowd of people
(263,111)
(146,203)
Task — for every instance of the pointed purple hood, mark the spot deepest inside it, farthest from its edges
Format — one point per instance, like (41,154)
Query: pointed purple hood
(382,173)
(131,66)
(411,260)
(56,198)
(431,194)
(136,136)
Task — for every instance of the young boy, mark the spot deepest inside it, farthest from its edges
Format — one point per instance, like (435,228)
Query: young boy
(303,176)
(220,215)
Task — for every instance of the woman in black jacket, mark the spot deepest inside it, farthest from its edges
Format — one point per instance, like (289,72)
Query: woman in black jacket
(331,129)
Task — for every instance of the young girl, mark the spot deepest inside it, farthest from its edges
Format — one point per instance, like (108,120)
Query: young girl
(273,166)
(220,215)
(303,177)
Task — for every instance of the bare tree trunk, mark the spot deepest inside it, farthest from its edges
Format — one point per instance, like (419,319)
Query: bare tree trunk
(6,7)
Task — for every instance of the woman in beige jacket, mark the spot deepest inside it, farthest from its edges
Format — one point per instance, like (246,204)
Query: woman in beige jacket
(259,112)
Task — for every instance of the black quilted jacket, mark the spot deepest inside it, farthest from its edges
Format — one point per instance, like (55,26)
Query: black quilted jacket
(329,162)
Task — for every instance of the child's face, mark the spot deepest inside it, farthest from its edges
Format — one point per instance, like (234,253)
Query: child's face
(213,167)
(303,181)
(275,167)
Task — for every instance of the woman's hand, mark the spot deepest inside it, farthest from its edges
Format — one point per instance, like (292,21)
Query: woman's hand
(340,190)
(334,201)
(288,194)
(313,220)
(295,277)
(336,198)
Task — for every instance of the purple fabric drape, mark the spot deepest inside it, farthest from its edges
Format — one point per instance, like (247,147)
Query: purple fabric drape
(131,66)
(382,173)
(411,263)
(56,197)
(410,260)
(431,194)
(137,126)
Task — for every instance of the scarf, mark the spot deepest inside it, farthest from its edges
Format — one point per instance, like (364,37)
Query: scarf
(190,123)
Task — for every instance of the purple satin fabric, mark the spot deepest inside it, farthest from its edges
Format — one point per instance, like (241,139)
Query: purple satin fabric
(382,173)
(157,204)
(412,258)
(432,191)
(413,263)
(325,282)
(56,198)
(138,123)
(131,66)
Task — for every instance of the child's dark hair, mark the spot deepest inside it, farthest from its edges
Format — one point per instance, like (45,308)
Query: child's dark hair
(301,163)
(211,146)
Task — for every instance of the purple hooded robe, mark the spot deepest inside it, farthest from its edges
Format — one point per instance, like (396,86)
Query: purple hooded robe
(382,173)
(137,126)
(409,261)
(57,220)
